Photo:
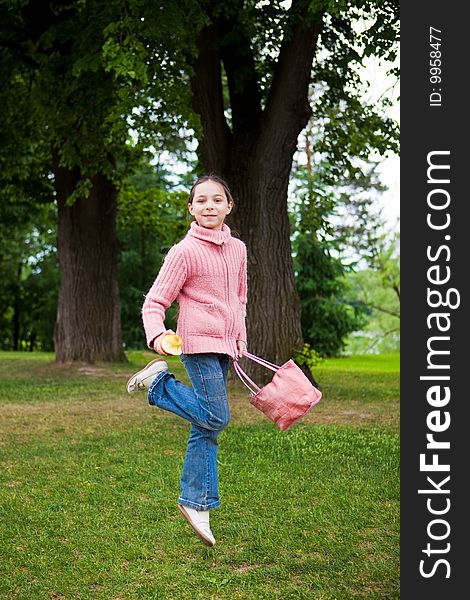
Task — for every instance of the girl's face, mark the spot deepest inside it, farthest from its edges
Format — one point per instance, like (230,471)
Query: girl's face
(210,205)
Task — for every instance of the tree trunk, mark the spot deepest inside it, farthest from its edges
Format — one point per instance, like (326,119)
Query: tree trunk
(17,310)
(255,156)
(88,326)
(273,315)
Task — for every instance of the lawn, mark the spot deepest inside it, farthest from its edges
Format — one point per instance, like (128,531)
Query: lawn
(89,483)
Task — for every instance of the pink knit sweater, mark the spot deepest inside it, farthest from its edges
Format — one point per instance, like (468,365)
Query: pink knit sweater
(206,272)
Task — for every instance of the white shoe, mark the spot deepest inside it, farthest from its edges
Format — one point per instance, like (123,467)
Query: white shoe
(143,378)
(199,521)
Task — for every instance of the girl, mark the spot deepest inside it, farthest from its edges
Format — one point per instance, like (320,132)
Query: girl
(206,272)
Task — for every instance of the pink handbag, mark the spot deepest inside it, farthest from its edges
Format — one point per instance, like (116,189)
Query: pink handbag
(285,399)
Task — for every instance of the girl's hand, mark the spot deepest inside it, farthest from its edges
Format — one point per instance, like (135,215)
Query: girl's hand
(157,343)
(241,348)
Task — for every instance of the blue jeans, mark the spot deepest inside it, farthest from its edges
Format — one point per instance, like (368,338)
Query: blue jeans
(205,406)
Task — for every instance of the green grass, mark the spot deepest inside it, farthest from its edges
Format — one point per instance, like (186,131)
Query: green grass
(365,362)
(89,483)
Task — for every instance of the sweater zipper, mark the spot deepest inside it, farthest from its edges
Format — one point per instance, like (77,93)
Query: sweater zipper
(232,318)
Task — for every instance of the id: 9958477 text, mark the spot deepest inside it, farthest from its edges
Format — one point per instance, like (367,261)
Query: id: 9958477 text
(435,63)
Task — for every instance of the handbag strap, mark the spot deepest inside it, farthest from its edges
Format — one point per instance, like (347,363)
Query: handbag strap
(262,361)
(244,377)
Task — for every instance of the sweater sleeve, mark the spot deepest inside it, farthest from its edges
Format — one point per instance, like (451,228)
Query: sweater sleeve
(163,292)
(242,295)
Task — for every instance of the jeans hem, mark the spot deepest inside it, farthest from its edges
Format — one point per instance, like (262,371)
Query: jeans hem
(198,506)
(154,383)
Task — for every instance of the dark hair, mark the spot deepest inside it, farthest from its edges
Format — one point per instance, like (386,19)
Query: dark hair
(215,178)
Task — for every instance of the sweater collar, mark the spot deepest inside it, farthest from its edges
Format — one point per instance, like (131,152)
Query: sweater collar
(220,236)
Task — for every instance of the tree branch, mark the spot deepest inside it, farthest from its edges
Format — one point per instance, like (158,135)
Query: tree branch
(240,68)
(207,102)
(384,310)
(396,289)
(288,109)
(382,337)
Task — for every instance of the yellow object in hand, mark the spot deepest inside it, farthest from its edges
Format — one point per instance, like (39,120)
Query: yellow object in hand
(171,344)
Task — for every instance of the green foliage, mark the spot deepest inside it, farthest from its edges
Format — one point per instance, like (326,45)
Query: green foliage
(327,318)
(336,227)
(358,223)
(155,210)
(346,128)
(377,289)
(308,356)
(30,277)
(150,220)
(77,76)
(329,314)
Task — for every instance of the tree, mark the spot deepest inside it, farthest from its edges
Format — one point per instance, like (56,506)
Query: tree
(327,317)
(377,289)
(335,225)
(90,70)
(265,54)
(52,52)
(29,282)
(77,78)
